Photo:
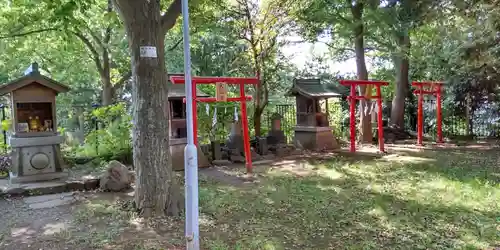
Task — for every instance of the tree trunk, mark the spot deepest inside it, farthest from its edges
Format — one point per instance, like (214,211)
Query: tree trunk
(257,120)
(366,135)
(156,192)
(107,91)
(107,88)
(468,115)
(402,66)
(260,96)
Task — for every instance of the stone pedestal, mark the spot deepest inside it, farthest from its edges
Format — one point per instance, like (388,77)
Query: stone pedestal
(36,159)
(216,151)
(275,137)
(235,140)
(315,138)
(177,146)
(262,146)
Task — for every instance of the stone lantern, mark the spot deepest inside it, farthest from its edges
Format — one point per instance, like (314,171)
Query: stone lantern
(35,142)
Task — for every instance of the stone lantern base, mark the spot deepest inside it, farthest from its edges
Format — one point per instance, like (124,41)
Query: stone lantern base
(36,159)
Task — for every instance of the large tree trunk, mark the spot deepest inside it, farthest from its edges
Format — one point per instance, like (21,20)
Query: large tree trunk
(402,66)
(156,191)
(366,135)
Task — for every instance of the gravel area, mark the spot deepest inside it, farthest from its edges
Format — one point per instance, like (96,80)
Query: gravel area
(24,228)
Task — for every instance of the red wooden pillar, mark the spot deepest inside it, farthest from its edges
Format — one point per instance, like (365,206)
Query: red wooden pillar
(246,132)
(380,123)
(420,114)
(439,115)
(352,111)
(228,80)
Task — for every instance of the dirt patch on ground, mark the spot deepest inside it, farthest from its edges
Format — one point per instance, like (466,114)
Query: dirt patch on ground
(96,221)
(25,228)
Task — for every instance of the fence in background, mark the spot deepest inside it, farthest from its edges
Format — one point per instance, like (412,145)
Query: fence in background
(483,122)
(337,117)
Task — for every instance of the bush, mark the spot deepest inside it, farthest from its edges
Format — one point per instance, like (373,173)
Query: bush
(112,141)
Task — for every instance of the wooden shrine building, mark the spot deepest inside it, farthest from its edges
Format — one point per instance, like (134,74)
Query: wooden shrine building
(178,124)
(35,141)
(312,130)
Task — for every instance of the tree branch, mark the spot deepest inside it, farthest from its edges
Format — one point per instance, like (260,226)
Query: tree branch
(169,19)
(109,29)
(176,44)
(93,51)
(29,33)
(95,37)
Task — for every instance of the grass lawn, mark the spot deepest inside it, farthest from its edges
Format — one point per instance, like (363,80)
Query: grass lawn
(445,200)
(410,200)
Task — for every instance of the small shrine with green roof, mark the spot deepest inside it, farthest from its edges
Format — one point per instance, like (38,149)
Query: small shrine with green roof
(312,130)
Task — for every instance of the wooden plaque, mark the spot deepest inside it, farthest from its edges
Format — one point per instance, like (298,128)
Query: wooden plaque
(220,92)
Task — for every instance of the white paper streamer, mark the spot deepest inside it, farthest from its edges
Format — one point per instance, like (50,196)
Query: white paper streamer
(214,119)
(207,108)
(235,114)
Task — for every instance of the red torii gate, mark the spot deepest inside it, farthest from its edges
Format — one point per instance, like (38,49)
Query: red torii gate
(241,81)
(352,108)
(434,89)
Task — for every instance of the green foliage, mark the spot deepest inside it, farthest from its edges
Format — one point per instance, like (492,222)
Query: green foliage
(7,125)
(112,141)
(208,130)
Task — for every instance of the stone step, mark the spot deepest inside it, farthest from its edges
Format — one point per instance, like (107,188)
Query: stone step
(49,201)
(48,187)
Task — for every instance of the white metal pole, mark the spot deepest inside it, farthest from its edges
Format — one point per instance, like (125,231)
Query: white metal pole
(190,152)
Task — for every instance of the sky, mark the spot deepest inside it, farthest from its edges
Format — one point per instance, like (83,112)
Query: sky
(300,53)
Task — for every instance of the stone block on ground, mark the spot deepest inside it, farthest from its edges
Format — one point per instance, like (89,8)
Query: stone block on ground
(116,178)
(237,158)
(281,150)
(75,185)
(91,184)
(262,146)
(15,190)
(49,201)
(41,188)
(276,137)
(216,150)
(255,155)
(221,162)
(268,157)
(177,147)
(296,152)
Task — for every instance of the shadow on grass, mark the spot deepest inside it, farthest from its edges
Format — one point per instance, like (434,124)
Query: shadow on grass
(463,164)
(354,210)
(345,158)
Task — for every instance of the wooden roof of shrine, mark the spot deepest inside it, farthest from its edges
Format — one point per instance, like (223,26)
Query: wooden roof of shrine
(179,91)
(313,88)
(32,75)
